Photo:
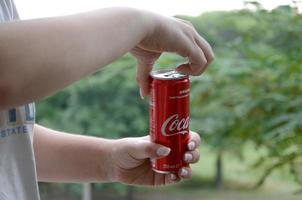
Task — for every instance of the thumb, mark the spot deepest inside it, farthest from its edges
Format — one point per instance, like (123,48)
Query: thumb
(142,77)
(145,61)
(145,149)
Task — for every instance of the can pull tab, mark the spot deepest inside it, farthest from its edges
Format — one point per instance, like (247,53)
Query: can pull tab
(172,74)
(167,74)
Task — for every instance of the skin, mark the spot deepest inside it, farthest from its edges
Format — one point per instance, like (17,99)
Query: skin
(62,157)
(43,56)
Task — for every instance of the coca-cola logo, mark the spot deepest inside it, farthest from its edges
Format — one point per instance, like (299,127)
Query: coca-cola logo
(173,125)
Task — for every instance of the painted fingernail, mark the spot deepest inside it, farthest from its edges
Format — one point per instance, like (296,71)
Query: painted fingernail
(184,172)
(163,151)
(191,145)
(188,157)
(173,177)
(141,93)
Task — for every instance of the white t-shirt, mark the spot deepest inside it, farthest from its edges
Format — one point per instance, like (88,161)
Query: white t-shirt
(18,179)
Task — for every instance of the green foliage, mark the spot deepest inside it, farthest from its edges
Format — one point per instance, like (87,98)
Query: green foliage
(253,91)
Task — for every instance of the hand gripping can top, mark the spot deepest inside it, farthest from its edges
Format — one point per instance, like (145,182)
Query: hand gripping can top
(169,108)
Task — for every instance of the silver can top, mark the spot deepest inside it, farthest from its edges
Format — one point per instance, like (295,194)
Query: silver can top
(167,74)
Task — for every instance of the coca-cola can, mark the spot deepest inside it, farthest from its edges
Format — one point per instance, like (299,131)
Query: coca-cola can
(169,108)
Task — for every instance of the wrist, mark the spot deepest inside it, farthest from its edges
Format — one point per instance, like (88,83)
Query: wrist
(140,22)
(105,160)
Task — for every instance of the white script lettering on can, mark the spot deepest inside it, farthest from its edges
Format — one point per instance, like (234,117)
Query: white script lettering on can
(172,125)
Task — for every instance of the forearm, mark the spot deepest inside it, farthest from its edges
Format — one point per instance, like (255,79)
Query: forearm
(62,157)
(39,57)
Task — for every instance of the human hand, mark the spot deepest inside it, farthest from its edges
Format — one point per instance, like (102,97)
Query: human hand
(131,161)
(170,35)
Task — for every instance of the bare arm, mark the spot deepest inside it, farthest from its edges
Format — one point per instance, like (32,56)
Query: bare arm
(63,157)
(41,56)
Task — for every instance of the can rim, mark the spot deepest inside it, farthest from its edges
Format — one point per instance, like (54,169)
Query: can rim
(156,74)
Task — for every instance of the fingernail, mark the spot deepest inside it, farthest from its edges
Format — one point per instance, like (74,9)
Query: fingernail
(172,177)
(188,157)
(184,172)
(163,151)
(191,145)
(141,93)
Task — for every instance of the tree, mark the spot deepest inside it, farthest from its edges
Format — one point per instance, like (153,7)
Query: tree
(253,90)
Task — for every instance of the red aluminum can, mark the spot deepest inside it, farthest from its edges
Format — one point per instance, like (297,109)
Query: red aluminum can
(169,108)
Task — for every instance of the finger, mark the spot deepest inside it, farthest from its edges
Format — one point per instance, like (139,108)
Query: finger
(171,179)
(142,78)
(201,42)
(192,156)
(206,48)
(197,62)
(195,52)
(188,23)
(145,60)
(159,179)
(143,149)
(164,179)
(185,172)
(194,141)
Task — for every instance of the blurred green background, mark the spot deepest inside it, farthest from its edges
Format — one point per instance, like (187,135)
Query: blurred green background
(247,107)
